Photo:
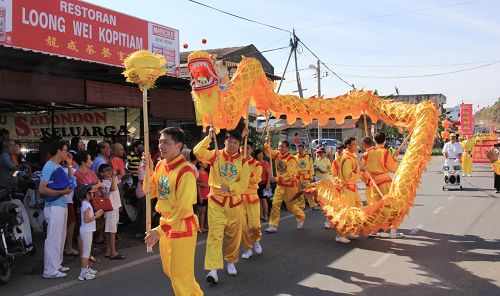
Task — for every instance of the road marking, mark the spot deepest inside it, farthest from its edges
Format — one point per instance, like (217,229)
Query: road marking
(451,197)
(65,285)
(419,226)
(382,259)
(437,210)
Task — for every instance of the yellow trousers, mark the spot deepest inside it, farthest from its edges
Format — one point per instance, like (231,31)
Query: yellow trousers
(375,196)
(224,228)
(353,199)
(301,200)
(285,194)
(251,224)
(177,259)
(466,164)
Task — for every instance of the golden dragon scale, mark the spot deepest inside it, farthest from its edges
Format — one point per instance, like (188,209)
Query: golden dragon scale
(224,105)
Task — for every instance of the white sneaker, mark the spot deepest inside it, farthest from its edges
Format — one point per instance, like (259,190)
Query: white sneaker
(231,269)
(247,254)
(373,234)
(271,229)
(395,234)
(212,277)
(300,224)
(328,225)
(92,271)
(85,276)
(64,269)
(56,275)
(257,248)
(463,174)
(342,239)
(352,236)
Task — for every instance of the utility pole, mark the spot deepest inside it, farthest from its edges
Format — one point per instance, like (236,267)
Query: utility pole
(318,74)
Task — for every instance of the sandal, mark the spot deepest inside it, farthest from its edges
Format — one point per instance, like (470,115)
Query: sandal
(94,260)
(117,257)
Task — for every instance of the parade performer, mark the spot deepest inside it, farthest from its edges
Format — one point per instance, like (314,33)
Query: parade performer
(287,187)
(322,165)
(370,153)
(349,173)
(492,155)
(229,177)
(306,173)
(173,183)
(252,232)
(335,174)
(468,146)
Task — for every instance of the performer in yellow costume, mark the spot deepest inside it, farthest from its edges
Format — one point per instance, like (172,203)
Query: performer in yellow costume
(495,162)
(349,173)
(229,177)
(322,165)
(335,174)
(251,207)
(287,187)
(306,173)
(379,168)
(370,153)
(173,183)
(468,146)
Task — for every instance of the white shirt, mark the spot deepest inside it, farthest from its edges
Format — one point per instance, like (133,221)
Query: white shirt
(87,227)
(453,149)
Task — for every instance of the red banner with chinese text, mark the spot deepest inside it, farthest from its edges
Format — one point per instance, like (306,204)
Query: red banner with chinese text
(80,30)
(466,120)
(480,151)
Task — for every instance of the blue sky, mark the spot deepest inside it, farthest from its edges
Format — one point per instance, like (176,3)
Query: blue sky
(356,39)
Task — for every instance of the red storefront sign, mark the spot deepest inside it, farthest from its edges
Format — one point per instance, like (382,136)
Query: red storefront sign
(466,119)
(480,151)
(84,31)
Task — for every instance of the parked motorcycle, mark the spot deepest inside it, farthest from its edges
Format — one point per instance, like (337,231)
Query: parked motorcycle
(34,204)
(15,233)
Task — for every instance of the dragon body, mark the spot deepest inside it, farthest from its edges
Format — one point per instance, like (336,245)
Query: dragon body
(223,106)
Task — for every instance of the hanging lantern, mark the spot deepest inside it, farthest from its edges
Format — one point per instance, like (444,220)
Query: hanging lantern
(446,123)
(445,135)
(143,68)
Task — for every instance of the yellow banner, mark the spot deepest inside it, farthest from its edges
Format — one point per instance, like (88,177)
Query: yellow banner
(86,123)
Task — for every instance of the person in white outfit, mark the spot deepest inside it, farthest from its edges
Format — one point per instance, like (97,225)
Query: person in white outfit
(452,152)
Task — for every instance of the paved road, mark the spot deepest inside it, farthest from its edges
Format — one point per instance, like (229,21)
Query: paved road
(452,248)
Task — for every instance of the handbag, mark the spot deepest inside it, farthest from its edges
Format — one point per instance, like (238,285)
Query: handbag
(101,203)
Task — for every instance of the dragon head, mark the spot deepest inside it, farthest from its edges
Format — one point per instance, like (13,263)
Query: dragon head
(201,70)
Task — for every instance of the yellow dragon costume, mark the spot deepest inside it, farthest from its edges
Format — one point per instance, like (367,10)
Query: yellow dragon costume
(222,105)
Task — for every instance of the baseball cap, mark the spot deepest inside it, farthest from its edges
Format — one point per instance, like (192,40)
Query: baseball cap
(452,135)
(81,191)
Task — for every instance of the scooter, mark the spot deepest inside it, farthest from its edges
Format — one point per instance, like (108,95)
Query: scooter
(15,233)
(34,205)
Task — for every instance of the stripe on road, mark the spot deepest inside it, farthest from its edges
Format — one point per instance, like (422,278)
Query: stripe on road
(414,231)
(437,210)
(382,259)
(451,197)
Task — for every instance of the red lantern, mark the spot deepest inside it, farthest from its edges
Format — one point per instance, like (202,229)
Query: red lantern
(204,41)
(445,135)
(185,46)
(446,123)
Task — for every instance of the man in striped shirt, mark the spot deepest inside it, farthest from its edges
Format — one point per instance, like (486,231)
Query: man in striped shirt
(133,159)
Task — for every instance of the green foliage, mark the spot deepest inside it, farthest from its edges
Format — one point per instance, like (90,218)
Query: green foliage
(489,114)
(437,151)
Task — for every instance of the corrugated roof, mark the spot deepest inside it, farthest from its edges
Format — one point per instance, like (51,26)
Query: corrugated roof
(220,52)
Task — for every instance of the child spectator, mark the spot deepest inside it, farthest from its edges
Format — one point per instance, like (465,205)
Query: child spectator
(87,229)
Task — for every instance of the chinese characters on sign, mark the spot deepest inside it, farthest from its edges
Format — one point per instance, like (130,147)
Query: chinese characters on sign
(466,119)
(84,31)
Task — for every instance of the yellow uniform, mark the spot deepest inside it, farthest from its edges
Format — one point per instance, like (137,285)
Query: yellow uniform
(306,173)
(496,167)
(251,207)
(174,185)
(378,163)
(468,147)
(368,182)
(287,186)
(349,173)
(325,165)
(336,166)
(225,212)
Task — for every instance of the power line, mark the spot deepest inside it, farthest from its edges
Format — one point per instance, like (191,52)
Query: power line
(411,66)
(424,75)
(390,14)
(240,17)
(350,84)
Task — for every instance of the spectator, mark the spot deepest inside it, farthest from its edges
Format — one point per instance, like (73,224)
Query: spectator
(76,145)
(92,148)
(103,156)
(117,162)
(264,185)
(203,190)
(7,167)
(296,140)
(55,211)
(106,173)
(87,229)
(134,158)
(186,153)
(70,225)
(4,135)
